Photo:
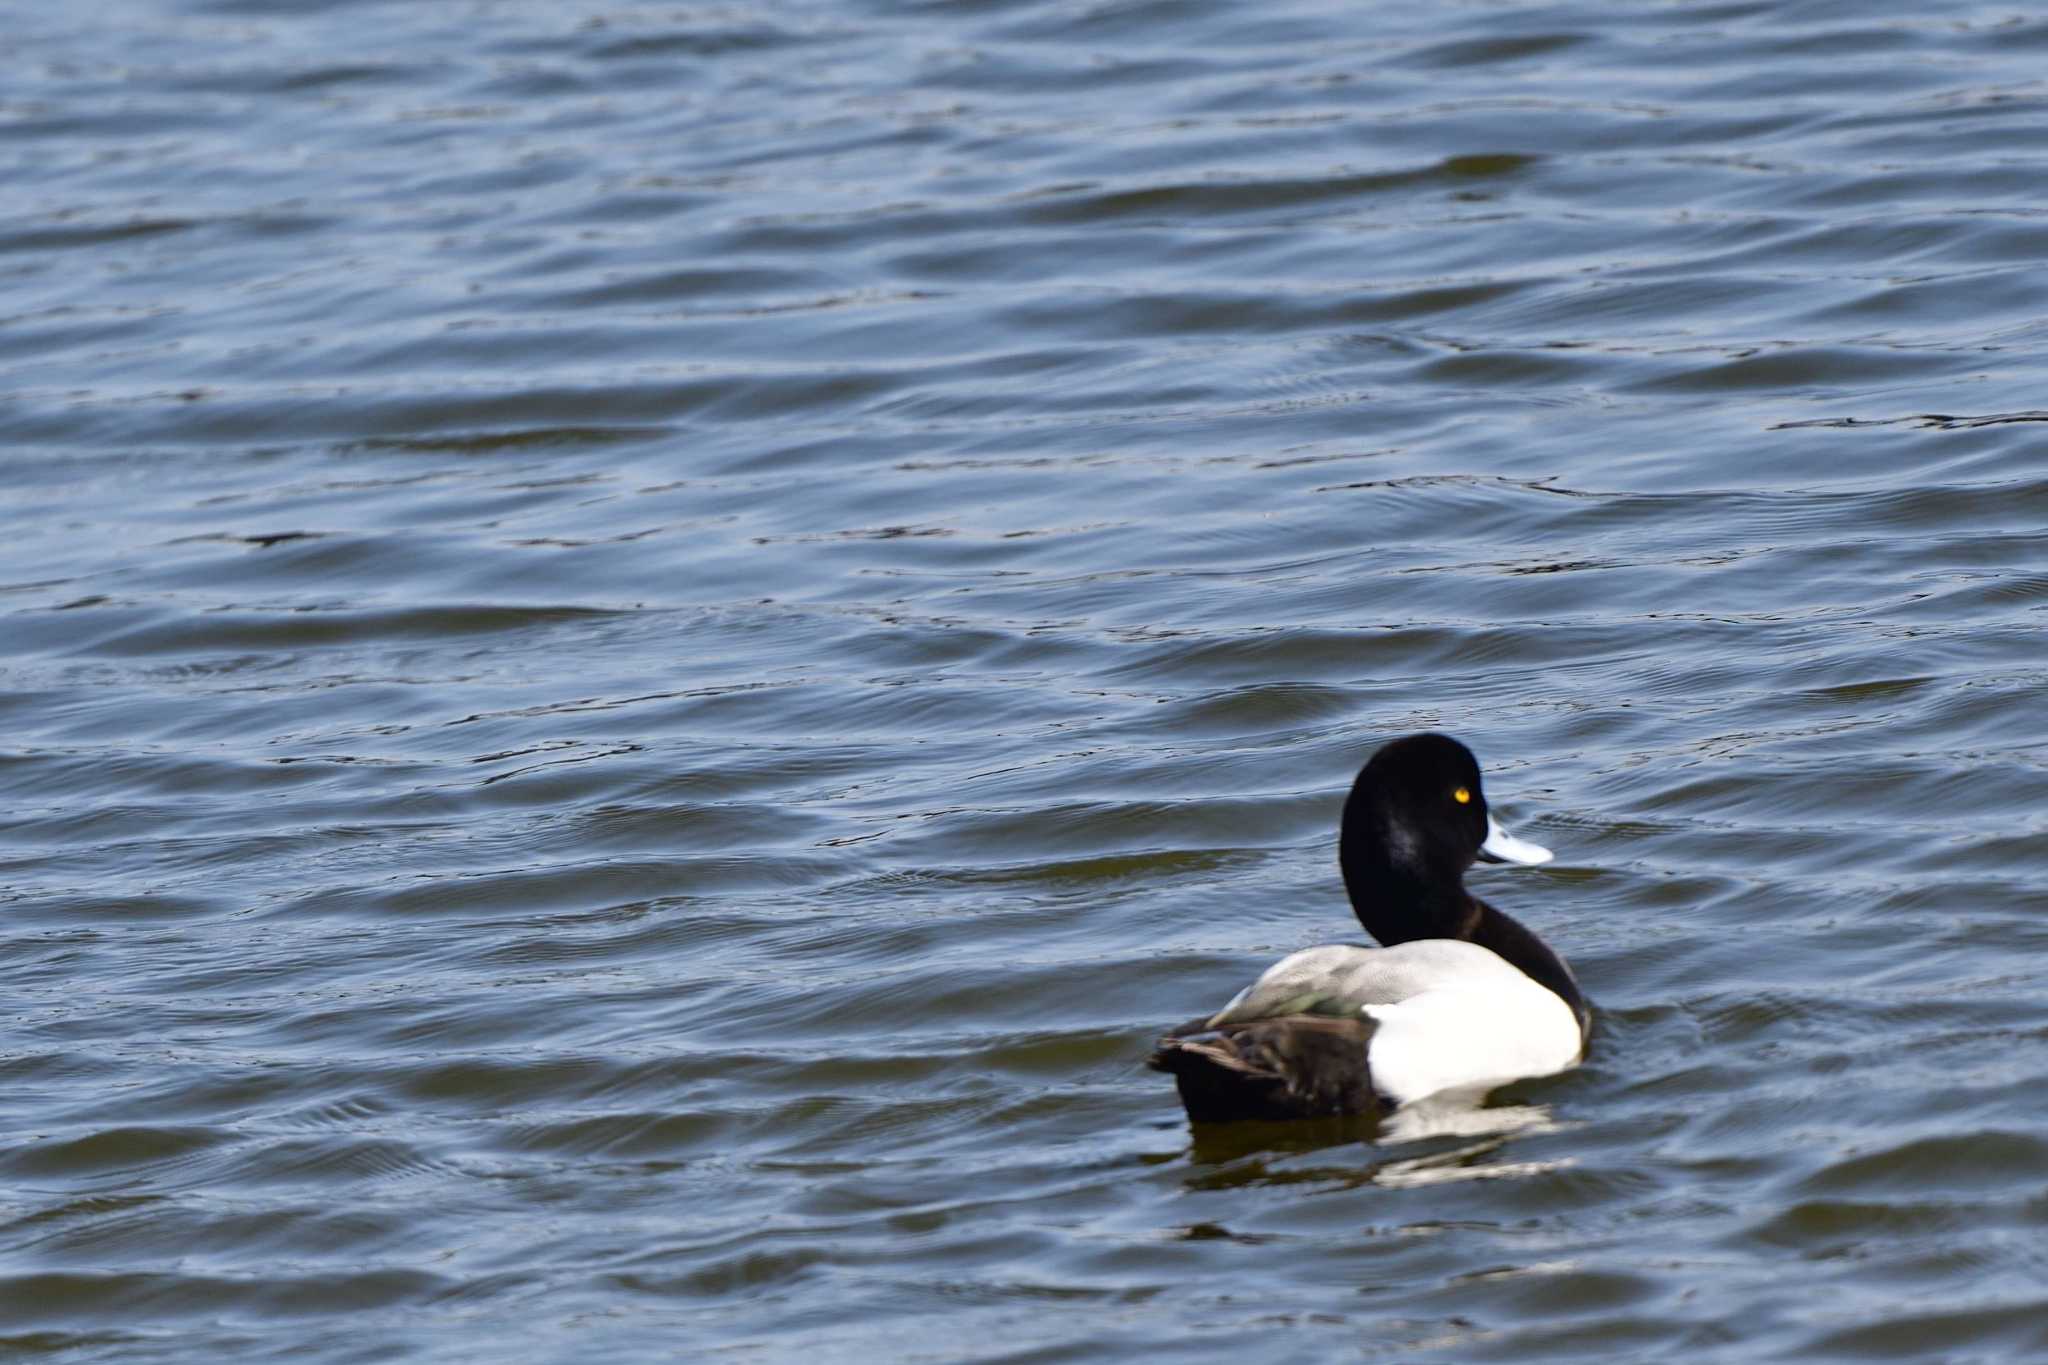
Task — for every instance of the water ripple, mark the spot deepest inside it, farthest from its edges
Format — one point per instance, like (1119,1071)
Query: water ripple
(645,648)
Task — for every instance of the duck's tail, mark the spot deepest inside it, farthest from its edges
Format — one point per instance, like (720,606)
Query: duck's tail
(1298,1066)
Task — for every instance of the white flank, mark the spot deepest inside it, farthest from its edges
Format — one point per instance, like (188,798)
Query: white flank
(1453,1016)
(1471,1039)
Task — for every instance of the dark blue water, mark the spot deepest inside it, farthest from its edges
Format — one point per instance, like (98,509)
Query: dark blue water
(641,650)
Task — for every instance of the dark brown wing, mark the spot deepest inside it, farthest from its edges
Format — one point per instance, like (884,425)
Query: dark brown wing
(1298,1066)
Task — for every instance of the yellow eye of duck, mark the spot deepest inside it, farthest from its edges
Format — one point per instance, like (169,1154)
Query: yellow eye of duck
(1462,797)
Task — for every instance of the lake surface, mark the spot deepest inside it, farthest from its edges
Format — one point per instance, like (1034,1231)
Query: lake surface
(642,649)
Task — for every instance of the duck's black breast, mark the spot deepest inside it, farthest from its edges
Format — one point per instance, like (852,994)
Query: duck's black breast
(1518,945)
(1298,1066)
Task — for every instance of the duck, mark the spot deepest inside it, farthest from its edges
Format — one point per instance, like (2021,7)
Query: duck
(1458,999)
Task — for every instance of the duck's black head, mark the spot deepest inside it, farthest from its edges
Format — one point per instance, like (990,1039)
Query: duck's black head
(1415,820)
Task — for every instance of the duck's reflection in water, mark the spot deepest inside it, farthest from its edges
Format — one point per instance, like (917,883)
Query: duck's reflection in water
(1467,1161)
(1236,1154)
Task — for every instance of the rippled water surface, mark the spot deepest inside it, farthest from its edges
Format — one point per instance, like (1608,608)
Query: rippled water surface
(642,648)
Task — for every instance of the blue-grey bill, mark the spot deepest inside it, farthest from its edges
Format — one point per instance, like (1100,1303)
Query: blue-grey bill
(1503,847)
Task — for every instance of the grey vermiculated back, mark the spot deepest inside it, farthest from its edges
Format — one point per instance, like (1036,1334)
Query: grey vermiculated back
(643,647)
(1339,979)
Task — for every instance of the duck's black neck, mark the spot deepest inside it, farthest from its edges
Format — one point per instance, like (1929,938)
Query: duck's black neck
(1507,937)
